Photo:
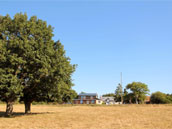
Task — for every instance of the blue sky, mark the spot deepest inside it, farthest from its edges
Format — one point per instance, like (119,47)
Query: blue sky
(106,38)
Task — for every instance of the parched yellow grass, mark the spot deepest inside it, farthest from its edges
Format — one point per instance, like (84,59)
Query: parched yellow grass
(90,117)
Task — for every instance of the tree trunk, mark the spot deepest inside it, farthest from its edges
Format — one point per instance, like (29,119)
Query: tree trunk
(27,107)
(9,108)
(122,99)
(136,101)
(130,101)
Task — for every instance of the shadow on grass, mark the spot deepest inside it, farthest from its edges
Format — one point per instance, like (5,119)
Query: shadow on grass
(19,114)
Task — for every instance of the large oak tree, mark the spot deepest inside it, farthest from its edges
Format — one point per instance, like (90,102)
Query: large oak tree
(32,66)
(138,90)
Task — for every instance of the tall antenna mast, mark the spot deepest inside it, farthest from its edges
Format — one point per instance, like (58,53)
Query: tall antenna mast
(121,78)
(122,90)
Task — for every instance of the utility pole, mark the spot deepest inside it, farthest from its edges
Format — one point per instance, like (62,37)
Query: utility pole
(122,90)
(121,78)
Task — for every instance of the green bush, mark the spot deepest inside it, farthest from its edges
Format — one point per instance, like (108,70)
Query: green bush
(160,98)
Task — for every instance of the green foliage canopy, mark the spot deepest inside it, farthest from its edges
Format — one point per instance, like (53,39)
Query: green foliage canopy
(119,93)
(139,91)
(32,66)
(160,98)
(109,95)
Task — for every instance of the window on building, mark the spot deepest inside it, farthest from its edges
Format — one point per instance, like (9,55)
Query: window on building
(87,102)
(81,102)
(92,101)
(82,97)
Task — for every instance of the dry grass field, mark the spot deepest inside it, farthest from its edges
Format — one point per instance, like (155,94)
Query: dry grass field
(89,117)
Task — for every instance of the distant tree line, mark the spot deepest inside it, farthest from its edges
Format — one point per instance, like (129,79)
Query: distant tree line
(136,92)
(33,67)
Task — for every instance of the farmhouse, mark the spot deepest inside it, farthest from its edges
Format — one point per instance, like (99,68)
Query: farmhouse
(87,98)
